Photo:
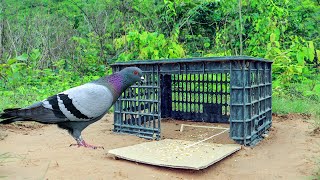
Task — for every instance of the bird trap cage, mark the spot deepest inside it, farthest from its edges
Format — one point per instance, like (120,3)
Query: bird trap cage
(234,90)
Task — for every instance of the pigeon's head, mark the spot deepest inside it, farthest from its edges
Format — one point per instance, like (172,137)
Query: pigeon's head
(120,81)
(132,74)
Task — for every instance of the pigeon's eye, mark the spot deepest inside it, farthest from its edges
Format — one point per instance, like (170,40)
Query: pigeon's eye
(135,72)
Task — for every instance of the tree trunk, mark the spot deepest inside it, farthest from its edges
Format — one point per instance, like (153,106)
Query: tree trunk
(2,17)
(240,21)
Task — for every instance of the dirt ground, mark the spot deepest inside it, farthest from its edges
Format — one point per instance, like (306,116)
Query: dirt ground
(42,152)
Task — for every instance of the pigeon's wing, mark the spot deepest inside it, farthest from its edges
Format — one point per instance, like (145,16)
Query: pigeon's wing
(81,103)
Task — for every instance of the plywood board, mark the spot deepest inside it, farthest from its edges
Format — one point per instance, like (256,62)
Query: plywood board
(174,154)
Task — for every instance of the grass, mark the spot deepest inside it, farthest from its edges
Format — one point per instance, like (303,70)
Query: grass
(16,100)
(282,105)
(27,95)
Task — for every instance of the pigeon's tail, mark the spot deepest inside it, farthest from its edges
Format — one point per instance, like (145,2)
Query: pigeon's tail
(10,116)
(38,114)
(8,121)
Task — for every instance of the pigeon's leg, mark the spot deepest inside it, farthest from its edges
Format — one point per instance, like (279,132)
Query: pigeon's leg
(81,142)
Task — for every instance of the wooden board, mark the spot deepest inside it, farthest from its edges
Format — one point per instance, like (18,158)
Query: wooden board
(172,153)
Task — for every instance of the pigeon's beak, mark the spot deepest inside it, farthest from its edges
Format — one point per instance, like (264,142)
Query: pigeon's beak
(142,80)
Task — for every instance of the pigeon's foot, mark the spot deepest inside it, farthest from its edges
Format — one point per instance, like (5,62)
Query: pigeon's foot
(84,144)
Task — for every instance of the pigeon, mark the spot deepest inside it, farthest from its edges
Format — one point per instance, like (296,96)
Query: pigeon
(78,107)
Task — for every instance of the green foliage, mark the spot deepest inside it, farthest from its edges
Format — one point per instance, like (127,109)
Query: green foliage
(22,83)
(86,58)
(294,65)
(192,22)
(49,46)
(147,45)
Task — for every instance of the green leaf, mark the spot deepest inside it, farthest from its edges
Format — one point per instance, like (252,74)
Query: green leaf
(318,55)
(156,52)
(11,61)
(311,51)
(272,37)
(305,50)
(35,55)
(299,69)
(277,50)
(206,45)
(277,33)
(300,57)
(171,52)
(8,93)
(308,93)
(306,71)
(23,57)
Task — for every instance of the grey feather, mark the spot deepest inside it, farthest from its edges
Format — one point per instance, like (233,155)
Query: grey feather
(90,99)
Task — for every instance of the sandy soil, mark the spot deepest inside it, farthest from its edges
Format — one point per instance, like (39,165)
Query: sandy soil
(42,152)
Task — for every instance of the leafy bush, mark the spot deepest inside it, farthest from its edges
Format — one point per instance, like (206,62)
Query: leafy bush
(23,83)
(147,45)
(66,43)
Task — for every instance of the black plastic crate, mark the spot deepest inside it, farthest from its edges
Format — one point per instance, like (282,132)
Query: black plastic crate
(235,90)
